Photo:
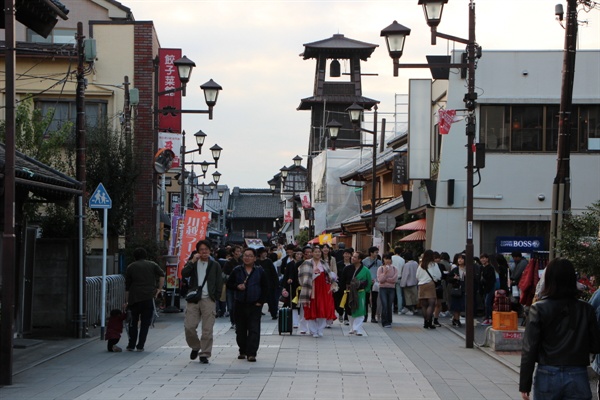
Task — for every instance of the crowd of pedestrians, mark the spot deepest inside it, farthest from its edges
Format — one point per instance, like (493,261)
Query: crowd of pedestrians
(321,285)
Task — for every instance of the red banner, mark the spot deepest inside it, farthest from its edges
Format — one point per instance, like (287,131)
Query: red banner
(446,118)
(194,229)
(169,79)
(287,215)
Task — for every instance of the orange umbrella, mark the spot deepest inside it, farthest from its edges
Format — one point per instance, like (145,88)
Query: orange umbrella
(418,236)
(418,225)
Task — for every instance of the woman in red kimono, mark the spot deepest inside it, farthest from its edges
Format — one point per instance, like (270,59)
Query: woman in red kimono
(316,281)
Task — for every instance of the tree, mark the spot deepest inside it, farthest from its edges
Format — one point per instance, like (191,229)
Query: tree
(580,241)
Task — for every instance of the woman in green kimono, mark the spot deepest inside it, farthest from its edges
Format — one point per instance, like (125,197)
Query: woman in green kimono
(358,286)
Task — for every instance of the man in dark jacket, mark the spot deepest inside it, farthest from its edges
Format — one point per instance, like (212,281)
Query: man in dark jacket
(272,280)
(143,282)
(249,283)
(235,259)
(205,275)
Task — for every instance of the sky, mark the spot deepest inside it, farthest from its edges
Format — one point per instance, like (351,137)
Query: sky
(252,49)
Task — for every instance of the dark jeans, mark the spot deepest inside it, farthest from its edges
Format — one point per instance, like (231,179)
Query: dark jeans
(273,301)
(231,305)
(557,383)
(387,303)
(374,296)
(489,304)
(140,312)
(247,327)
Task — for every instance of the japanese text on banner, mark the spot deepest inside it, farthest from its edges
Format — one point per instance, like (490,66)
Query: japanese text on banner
(194,229)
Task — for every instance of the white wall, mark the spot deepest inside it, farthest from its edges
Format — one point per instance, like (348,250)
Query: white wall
(511,182)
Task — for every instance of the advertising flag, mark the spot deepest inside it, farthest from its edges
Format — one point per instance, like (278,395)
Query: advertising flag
(195,224)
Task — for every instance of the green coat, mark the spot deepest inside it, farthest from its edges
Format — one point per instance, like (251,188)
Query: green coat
(362,275)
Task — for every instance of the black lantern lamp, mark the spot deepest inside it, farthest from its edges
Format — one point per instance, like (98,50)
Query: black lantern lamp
(297,160)
(334,130)
(216,153)
(395,37)
(355,112)
(212,186)
(433,11)
(211,92)
(284,172)
(216,176)
(200,137)
(433,15)
(221,192)
(184,69)
(204,167)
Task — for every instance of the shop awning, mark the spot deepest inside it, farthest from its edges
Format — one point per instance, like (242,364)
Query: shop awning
(418,225)
(418,236)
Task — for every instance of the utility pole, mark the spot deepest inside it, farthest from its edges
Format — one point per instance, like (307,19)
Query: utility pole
(81,177)
(8,236)
(561,199)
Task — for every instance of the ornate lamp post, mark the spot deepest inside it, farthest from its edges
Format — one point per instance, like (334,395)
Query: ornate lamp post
(355,112)
(295,184)
(394,36)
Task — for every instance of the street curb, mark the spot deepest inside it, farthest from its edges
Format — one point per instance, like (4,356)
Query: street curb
(485,350)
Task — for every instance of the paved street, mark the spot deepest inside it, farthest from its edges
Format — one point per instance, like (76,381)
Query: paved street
(405,362)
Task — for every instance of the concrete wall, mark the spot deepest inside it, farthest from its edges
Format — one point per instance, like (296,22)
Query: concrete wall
(53,280)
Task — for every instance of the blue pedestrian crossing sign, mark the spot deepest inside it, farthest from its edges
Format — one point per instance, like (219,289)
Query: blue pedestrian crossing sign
(100,198)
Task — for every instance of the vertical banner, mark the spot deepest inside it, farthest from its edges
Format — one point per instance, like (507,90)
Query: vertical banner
(305,200)
(198,200)
(195,224)
(169,79)
(419,129)
(287,215)
(171,141)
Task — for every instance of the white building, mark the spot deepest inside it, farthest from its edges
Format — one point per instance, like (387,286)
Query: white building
(517,119)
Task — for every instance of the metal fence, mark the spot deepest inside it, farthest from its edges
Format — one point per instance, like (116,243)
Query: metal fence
(115,296)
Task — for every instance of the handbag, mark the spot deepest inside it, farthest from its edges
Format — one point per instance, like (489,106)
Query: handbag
(194,296)
(439,290)
(456,292)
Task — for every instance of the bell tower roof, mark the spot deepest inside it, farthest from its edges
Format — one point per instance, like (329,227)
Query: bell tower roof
(338,47)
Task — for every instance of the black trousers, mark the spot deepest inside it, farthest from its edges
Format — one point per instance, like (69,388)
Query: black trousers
(140,312)
(110,343)
(247,327)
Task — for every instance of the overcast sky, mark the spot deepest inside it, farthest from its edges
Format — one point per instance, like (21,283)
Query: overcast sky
(252,49)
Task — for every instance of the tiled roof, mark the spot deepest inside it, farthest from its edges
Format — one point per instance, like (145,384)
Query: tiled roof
(366,167)
(338,46)
(308,102)
(390,206)
(39,178)
(255,203)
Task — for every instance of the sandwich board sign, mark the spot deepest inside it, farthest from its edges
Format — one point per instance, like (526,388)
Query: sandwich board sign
(100,198)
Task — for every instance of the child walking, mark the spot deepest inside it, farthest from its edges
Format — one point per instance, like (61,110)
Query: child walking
(114,329)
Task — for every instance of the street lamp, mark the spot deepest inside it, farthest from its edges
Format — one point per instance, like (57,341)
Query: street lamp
(355,112)
(294,183)
(433,14)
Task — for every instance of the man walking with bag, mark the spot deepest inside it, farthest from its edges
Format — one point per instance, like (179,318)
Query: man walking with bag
(205,276)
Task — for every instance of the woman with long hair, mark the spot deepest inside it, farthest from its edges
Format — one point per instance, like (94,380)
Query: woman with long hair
(560,334)
(316,279)
(457,289)
(387,275)
(428,274)
(329,259)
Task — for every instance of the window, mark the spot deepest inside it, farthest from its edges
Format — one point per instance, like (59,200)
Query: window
(534,128)
(66,111)
(59,36)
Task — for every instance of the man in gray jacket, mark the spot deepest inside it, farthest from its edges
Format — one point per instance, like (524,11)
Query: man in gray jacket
(205,275)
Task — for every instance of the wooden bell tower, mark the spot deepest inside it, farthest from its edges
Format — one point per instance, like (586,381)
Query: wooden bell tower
(334,90)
